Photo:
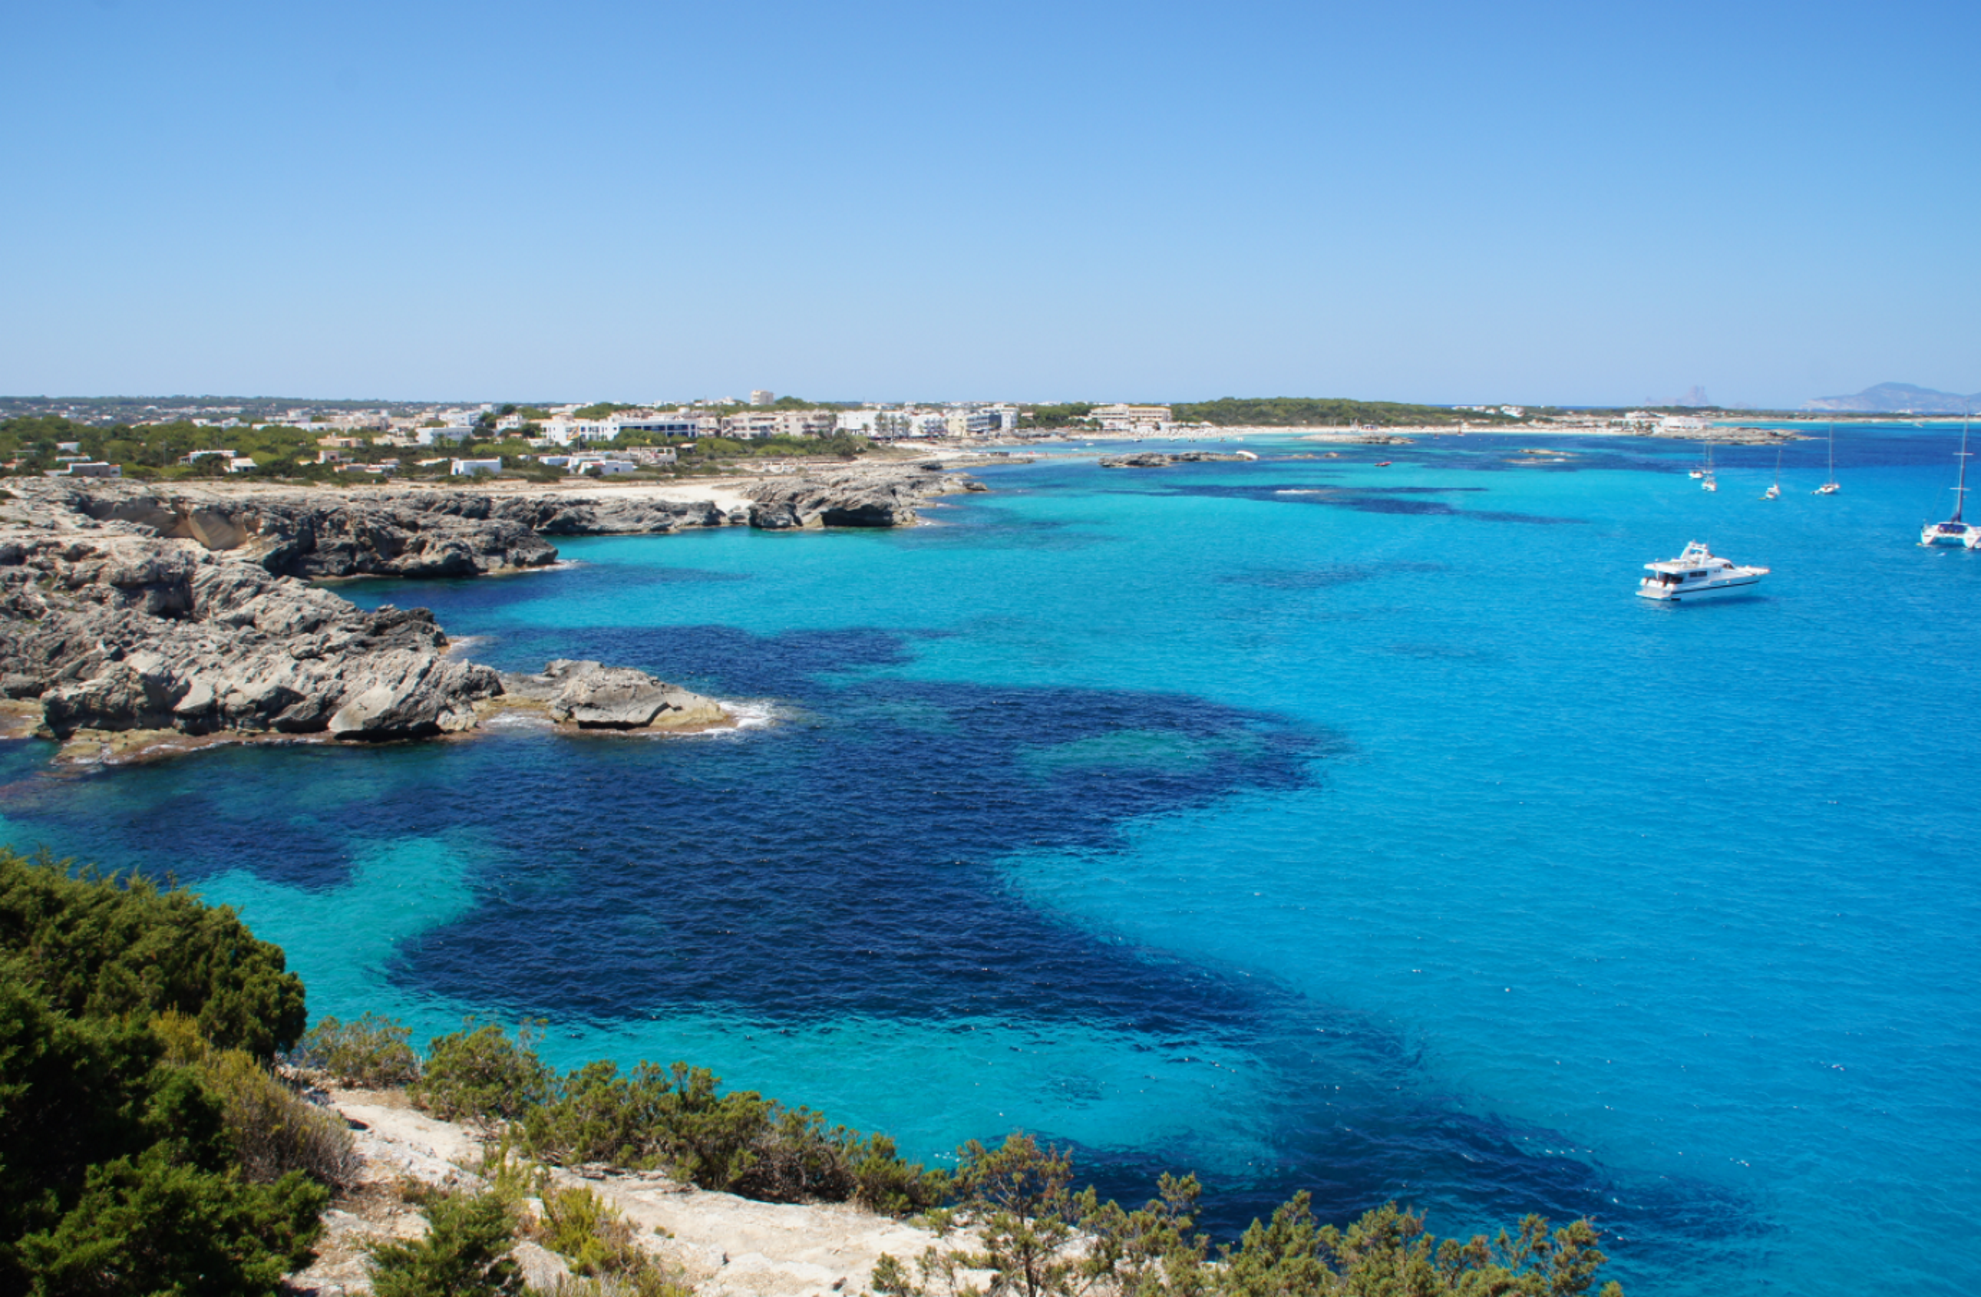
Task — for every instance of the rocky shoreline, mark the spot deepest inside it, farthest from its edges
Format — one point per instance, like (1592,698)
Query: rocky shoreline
(138,621)
(718,1244)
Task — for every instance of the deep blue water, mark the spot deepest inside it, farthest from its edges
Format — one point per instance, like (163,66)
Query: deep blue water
(1305,823)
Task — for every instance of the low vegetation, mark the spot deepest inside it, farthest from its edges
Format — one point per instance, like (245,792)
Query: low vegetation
(369,1052)
(1037,1237)
(149,1143)
(464,1251)
(32,445)
(1307,411)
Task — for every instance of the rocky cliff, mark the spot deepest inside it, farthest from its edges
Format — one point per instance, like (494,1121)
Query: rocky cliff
(320,533)
(129,608)
(119,632)
(883,497)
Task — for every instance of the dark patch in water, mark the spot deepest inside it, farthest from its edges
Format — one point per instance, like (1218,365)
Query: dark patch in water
(858,881)
(1389,499)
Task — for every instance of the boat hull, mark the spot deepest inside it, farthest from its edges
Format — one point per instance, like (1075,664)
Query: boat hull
(1954,537)
(1720,589)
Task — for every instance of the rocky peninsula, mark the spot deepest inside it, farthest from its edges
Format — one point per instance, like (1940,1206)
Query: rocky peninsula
(134,617)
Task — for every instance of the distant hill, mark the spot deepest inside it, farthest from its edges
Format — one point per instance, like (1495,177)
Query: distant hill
(1898,398)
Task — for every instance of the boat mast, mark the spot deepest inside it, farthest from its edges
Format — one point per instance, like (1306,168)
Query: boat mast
(1960,491)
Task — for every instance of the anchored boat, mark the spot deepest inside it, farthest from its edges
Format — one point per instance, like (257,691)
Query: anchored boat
(1696,574)
(1954,531)
(1830,484)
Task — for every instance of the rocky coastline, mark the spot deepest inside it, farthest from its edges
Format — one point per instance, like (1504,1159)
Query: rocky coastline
(139,621)
(718,1244)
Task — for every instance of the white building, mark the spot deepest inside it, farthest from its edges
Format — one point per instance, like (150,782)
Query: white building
(472,467)
(1131,418)
(761,397)
(760,424)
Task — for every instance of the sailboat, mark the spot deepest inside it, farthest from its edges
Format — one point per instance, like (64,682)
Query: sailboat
(1953,531)
(1707,480)
(1775,492)
(1830,484)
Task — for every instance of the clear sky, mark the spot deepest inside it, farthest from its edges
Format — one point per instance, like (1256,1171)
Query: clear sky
(1035,201)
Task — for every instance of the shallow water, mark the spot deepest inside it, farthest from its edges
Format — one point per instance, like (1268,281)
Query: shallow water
(1302,822)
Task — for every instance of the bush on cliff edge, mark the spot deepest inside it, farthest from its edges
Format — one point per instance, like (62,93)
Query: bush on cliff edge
(119,1170)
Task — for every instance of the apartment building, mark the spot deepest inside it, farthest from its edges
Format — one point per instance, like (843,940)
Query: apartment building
(1131,418)
(757,425)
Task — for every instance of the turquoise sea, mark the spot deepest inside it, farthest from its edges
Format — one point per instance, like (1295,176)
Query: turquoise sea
(1303,822)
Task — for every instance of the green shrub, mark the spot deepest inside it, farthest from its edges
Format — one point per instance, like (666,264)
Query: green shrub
(372,1052)
(480,1074)
(1039,1238)
(274,1129)
(465,1251)
(118,1169)
(740,1142)
(99,947)
(598,1244)
(155,1225)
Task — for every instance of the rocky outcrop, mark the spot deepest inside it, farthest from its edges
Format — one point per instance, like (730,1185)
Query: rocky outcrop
(626,515)
(856,498)
(125,633)
(1368,438)
(595,697)
(110,627)
(322,533)
(132,610)
(1163,459)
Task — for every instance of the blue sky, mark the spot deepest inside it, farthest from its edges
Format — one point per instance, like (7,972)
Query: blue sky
(1433,202)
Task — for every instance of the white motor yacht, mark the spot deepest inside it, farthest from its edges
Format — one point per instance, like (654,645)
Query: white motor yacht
(1696,574)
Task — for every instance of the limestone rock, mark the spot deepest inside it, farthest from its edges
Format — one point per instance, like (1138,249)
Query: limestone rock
(323,533)
(592,696)
(116,631)
(606,515)
(855,498)
(1163,459)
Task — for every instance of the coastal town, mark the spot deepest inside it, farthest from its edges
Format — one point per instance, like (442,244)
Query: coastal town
(344,441)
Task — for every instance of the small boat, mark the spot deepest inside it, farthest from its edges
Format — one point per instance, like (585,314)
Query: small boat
(1775,492)
(1954,531)
(1696,574)
(1830,484)
(1707,481)
(1384,463)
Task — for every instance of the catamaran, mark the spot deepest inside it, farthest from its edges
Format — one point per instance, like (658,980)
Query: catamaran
(1954,531)
(1696,574)
(1708,481)
(1830,484)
